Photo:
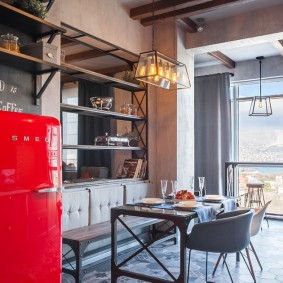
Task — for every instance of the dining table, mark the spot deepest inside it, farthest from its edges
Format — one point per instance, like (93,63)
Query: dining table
(177,216)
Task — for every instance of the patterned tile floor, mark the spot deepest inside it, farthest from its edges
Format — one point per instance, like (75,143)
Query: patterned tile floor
(268,244)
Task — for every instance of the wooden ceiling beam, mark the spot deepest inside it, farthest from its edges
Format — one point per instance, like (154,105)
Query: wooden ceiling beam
(226,61)
(278,45)
(188,25)
(187,12)
(163,5)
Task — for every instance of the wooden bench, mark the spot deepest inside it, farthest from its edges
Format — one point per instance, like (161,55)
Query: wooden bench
(79,239)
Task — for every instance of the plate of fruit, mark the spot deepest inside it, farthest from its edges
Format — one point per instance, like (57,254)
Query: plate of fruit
(185,195)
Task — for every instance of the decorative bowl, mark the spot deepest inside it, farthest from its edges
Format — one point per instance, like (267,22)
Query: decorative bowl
(103,103)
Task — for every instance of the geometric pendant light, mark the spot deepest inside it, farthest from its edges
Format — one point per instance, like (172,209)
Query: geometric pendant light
(160,70)
(261,105)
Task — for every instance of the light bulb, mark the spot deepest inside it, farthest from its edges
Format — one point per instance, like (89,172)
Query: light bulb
(260,104)
(142,71)
(167,71)
(174,77)
(152,68)
(160,69)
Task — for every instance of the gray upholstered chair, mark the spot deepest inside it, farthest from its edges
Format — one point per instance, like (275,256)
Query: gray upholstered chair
(256,227)
(229,233)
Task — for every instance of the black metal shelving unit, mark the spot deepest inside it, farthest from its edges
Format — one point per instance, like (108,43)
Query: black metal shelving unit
(27,23)
(37,29)
(138,92)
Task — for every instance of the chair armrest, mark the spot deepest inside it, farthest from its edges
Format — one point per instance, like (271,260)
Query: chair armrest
(217,235)
(232,213)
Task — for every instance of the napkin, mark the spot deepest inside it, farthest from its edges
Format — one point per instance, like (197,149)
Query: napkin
(229,204)
(205,213)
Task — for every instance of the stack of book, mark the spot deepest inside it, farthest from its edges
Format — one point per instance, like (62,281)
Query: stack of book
(134,168)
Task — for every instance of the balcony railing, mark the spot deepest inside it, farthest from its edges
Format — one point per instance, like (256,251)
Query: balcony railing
(270,174)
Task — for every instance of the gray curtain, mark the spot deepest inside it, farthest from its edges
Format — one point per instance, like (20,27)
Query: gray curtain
(212,130)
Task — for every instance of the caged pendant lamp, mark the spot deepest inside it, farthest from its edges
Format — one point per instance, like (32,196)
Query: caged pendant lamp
(261,105)
(160,70)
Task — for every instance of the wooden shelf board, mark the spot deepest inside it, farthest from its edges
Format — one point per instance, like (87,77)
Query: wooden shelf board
(29,24)
(98,113)
(100,147)
(25,62)
(99,78)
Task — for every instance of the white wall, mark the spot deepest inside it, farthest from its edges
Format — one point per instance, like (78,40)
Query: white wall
(185,119)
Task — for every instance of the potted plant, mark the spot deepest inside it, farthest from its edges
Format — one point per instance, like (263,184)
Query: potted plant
(38,8)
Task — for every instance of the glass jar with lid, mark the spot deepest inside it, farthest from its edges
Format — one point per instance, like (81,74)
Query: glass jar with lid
(14,43)
(10,42)
(129,109)
(4,41)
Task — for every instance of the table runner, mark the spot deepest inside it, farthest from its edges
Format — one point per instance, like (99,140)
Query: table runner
(205,212)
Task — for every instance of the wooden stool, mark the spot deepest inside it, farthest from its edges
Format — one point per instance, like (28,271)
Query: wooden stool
(255,195)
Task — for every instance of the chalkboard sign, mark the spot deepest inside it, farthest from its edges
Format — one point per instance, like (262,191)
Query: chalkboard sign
(17,87)
(17,91)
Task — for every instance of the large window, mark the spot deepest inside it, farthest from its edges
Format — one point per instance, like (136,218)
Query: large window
(260,139)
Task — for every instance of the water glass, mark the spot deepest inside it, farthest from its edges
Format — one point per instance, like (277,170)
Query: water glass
(174,184)
(163,189)
(192,183)
(201,181)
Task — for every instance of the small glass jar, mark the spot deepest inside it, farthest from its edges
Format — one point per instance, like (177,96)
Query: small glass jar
(14,44)
(129,109)
(10,42)
(124,108)
(133,109)
(4,41)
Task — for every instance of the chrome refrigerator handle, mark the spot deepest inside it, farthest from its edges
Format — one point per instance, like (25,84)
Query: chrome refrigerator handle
(49,190)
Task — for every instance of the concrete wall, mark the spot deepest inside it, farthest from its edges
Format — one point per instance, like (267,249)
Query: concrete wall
(108,20)
(166,114)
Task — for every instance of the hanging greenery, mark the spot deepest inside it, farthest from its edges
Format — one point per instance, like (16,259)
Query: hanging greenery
(34,7)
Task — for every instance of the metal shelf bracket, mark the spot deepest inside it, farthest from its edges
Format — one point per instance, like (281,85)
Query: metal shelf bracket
(45,85)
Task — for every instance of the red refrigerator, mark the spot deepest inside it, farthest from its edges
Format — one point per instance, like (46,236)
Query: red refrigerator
(30,198)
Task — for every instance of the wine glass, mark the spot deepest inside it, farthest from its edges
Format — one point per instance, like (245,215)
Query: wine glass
(201,181)
(192,183)
(163,189)
(174,184)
